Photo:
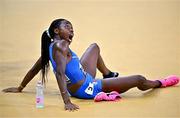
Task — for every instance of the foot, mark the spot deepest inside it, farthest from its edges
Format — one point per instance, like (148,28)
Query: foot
(169,81)
(111,74)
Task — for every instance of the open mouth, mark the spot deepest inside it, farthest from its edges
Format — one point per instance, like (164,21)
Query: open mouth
(70,36)
(70,40)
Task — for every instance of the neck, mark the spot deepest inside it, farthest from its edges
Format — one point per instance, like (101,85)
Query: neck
(57,38)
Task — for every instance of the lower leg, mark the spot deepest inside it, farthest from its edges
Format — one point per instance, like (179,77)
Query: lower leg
(99,61)
(103,69)
(123,84)
(148,84)
(101,66)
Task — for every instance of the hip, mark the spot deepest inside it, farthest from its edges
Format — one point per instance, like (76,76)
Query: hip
(87,88)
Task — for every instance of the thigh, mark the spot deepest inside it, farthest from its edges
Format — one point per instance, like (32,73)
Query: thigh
(120,84)
(89,59)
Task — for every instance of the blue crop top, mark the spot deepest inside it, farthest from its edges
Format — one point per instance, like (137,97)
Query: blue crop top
(74,71)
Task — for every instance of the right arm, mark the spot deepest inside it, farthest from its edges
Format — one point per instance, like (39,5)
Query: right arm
(28,77)
(60,58)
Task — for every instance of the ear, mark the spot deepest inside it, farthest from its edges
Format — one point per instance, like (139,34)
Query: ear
(56,31)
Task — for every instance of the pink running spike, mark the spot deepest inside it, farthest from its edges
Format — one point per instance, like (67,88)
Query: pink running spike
(113,96)
(169,81)
(102,96)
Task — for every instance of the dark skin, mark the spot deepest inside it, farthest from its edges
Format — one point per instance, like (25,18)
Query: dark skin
(62,56)
(91,60)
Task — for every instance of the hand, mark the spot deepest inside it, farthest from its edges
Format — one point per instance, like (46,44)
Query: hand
(12,90)
(71,107)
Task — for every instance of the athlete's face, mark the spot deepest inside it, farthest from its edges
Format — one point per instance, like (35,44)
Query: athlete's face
(65,31)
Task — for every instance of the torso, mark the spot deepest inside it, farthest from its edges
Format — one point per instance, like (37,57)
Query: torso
(73,64)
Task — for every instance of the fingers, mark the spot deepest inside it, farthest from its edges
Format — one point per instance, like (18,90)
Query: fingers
(12,89)
(77,106)
(5,90)
(71,107)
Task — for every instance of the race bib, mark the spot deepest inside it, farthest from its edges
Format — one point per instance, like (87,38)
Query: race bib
(89,90)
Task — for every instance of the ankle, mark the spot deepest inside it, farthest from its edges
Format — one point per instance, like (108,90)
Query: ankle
(159,84)
(106,72)
(111,74)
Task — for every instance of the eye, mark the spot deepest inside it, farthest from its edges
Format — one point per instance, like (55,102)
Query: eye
(68,26)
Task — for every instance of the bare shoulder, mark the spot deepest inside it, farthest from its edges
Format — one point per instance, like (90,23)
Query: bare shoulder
(61,46)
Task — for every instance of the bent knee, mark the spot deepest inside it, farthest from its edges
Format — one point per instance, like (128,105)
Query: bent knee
(141,83)
(141,78)
(95,46)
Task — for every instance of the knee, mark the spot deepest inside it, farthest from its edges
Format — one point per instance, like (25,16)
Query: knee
(95,46)
(141,82)
(141,79)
